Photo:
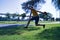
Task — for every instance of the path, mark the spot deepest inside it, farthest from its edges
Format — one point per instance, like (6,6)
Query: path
(23,25)
(11,25)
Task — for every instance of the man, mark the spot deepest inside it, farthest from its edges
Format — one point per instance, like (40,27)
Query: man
(35,17)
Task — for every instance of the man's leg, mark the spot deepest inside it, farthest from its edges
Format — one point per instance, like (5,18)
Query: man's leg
(29,22)
(41,25)
(36,22)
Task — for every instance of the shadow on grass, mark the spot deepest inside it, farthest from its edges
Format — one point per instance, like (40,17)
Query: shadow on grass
(49,34)
(16,30)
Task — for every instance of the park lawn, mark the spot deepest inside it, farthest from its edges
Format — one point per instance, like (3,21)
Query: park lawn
(51,32)
(22,22)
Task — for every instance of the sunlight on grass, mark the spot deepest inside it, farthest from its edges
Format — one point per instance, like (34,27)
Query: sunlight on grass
(51,32)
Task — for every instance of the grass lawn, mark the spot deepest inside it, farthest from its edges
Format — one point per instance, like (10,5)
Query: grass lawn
(51,32)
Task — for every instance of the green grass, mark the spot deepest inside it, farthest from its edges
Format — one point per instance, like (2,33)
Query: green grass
(22,22)
(51,32)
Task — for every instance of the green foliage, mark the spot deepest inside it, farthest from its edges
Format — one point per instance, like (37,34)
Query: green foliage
(33,3)
(14,15)
(23,15)
(45,16)
(8,15)
(56,3)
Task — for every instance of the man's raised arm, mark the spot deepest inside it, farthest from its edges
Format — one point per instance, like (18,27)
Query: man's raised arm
(39,11)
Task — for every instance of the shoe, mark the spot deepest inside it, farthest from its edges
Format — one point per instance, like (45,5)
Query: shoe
(43,26)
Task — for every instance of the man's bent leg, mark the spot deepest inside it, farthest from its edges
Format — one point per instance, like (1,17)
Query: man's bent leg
(41,25)
(36,23)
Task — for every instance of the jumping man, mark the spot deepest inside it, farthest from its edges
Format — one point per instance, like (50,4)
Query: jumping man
(35,17)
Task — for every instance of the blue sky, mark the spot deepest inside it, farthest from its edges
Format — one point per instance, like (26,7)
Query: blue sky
(8,5)
(13,6)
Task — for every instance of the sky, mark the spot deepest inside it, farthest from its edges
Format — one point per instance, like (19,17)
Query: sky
(13,6)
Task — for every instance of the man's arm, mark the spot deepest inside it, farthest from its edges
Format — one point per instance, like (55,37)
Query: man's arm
(39,11)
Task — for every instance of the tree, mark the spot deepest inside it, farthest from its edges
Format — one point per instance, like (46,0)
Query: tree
(14,15)
(23,15)
(8,16)
(56,3)
(33,3)
(18,17)
(45,16)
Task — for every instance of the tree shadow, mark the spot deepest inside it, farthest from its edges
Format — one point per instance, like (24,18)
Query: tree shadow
(49,34)
(16,30)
